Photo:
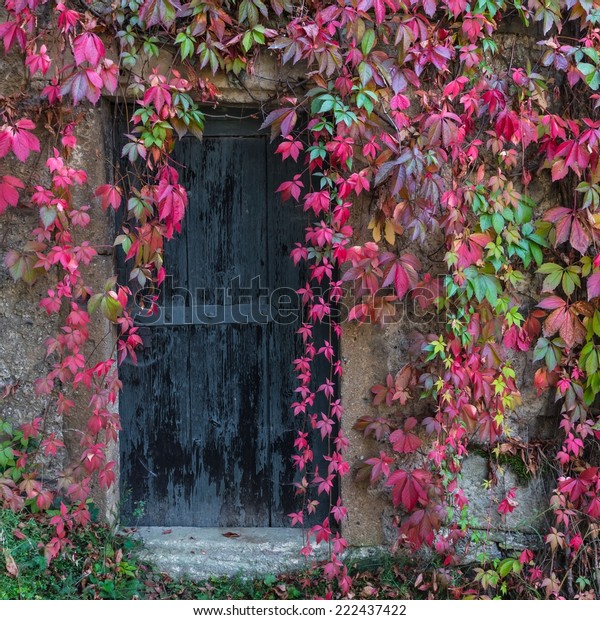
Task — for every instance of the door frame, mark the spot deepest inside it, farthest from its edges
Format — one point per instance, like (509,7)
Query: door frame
(229,118)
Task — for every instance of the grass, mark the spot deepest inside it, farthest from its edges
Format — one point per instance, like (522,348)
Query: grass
(99,565)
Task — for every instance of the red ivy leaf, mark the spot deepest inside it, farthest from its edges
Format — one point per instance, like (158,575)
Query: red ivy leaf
(552,303)
(404,442)
(5,142)
(509,503)
(291,188)
(11,32)
(409,488)
(402,272)
(570,154)
(110,196)
(421,526)
(9,195)
(84,84)
(564,321)
(289,148)
(579,238)
(443,127)
(281,121)
(456,7)
(470,249)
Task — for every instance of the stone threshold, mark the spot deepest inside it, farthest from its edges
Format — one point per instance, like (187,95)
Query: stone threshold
(203,552)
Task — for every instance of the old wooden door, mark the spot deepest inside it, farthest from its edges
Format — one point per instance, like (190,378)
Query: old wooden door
(207,428)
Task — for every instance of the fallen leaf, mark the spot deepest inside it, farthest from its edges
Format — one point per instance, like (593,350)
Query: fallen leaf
(10,390)
(11,565)
(368,592)
(167,531)
(231,535)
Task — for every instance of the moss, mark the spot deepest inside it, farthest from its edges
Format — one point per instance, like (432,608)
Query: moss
(512,462)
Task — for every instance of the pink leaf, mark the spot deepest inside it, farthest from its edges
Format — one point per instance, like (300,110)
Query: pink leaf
(593,285)
(88,46)
(85,84)
(9,196)
(23,142)
(552,303)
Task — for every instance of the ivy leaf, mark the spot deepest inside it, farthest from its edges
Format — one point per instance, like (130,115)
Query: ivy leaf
(249,11)
(110,306)
(11,32)
(404,442)
(570,155)
(279,6)
(48,215)
(409,488)
(88,46)
(563,320)
(22,140)
(94,302)
(280,121)
(84,84)
(402,272)
(187,44)
(290,189)
(483,285)
(579,238)
(159,12)
(549,351)
(21,266)
(456,7)
(593,285)
(9,194)
(110,196)
(368,42)
(552,303)
(498,223)
(567,276)
(590,73)
(442,128)
(5,142)
(380,8)
(421,526)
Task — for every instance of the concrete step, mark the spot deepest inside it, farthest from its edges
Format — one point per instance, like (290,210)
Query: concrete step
(200,553)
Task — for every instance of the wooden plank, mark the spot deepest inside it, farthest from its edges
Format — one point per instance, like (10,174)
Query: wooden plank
(155,442)
(227,249)
(226,227)
(230,435)
(233,122)
(287,223)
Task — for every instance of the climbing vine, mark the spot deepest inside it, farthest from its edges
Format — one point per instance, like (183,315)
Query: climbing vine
(423,112)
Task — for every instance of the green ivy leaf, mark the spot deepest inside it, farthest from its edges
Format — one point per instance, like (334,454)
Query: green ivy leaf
(498,223)
(590,74)
(368,42)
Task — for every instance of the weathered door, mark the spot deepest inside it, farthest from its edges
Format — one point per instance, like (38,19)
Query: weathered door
(207,428)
